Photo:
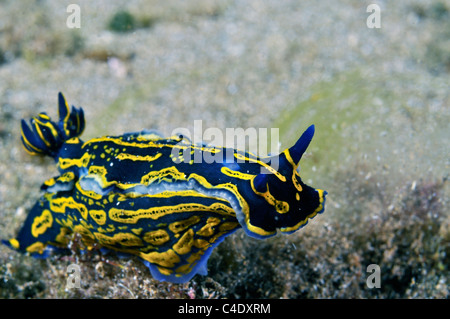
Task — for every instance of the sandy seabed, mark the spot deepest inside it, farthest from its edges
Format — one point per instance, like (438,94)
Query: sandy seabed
(379,97)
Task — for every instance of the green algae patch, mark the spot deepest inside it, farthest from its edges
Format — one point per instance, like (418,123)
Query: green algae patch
(334,107)
(364,118)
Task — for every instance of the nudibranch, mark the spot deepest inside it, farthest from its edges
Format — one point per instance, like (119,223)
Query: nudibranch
(145,195)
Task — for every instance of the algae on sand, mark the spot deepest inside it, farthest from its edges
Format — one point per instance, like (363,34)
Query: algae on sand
(359,117)
(332,106)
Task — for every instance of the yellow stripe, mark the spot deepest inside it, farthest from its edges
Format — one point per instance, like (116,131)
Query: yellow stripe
(148,158)
(294,173)
(226,186)
(14,243)
(155,175)
(66,177)
(181,225)
(225,170)
(37,247)
(25,140)
(133,216)
(150,144)
(65,163)
(73,140)
(266,166)
(124,239)
(39,131)
(48,125)
(66,118)
(58,205)
(166,259)
(280,206)
(41,223)
(98,215)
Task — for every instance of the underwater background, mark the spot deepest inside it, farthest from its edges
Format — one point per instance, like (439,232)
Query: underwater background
(379,98)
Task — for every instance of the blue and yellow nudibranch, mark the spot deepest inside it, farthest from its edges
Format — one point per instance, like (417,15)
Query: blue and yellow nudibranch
(142,194)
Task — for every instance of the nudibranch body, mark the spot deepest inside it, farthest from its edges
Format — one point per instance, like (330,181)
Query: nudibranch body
(146,195)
